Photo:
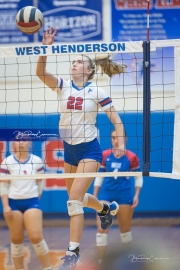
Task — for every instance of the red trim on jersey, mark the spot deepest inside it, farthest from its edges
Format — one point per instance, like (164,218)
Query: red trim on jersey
(105,154)
(40,169)
(105,102)
(4,171)
(134,160)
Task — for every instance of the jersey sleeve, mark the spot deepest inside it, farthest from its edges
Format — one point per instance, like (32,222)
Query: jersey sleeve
(104,100)
(105,154)
(39,166)
(4,168)
(134,161)
(60,85)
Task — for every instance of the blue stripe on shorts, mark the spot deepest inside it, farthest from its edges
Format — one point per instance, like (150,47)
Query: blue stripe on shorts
(73,154)
(24,204)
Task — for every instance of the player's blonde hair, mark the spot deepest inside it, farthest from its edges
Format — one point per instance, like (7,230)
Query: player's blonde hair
(108,66)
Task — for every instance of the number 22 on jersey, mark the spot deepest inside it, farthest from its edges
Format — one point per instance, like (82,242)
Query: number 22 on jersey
(75,103)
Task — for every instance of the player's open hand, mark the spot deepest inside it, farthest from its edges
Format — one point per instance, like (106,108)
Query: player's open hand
(135,201)
(48,37)
(7,211)
(119,152)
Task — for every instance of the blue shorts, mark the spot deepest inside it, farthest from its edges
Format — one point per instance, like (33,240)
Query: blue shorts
(120,196)
(24,204)
(73,154)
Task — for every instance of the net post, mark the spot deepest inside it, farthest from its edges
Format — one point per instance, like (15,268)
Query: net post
(146,108)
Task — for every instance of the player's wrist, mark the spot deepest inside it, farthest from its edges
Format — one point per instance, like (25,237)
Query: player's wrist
(122,147)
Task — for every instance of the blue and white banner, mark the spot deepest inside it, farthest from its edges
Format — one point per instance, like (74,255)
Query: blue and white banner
(129,20)
(9,32)
(76,20)
(76,48)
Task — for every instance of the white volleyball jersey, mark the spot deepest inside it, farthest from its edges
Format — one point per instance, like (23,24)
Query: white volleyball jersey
(22,189)
(79,108)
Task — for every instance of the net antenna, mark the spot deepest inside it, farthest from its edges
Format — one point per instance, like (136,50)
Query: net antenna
(148,20)
(146,99)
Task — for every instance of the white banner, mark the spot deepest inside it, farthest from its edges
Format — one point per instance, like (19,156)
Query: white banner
(65,49)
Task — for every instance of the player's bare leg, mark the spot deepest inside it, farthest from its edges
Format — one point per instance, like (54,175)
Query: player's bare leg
(77,192)
(92,201)
(124,219)
(101,239)
(78,198)
(33,225)
(69,181)
(77,189)
(16,228)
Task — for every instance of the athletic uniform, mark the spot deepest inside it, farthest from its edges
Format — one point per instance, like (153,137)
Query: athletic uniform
(23,194)
(118,188)
(79,108)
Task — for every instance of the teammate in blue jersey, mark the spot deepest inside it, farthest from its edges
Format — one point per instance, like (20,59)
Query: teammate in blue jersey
(21,205)
(80,100)
(119,189)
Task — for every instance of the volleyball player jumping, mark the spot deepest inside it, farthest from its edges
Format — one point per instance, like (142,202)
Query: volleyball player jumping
(80,100)
(21,205)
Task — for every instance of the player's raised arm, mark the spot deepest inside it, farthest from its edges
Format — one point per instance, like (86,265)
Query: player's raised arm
(119,127)
(45,76)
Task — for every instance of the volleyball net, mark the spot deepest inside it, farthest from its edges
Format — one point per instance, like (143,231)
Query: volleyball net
(146,97)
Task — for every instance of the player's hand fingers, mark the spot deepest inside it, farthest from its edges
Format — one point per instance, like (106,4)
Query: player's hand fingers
(135,203)
(44,35)
(8,214)
(47,31)
(51,30)
(120,152)
(55,32)
(123,152)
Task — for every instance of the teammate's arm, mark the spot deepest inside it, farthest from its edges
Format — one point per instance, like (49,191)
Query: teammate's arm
(97,185)
(138,186)
(39,184)
(4,197)
(49,79)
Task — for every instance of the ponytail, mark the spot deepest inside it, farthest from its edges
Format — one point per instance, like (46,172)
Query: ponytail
(107,65)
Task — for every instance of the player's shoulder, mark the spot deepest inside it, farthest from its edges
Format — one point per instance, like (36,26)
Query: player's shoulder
(8,160)
(106,153)
(131,155)
(64,84)
(36,159)
(95,86)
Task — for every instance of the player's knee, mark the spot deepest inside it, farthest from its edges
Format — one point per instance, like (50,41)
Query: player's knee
(41,248)
(101,239)
(74,208)
(35,237)
(126,237)
(17,250)
(85,200)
